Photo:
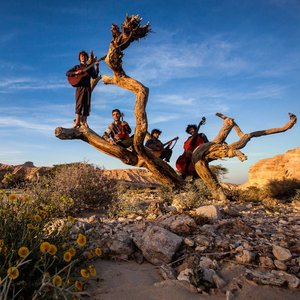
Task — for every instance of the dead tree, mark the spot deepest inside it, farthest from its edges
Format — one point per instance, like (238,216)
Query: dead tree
(140,156)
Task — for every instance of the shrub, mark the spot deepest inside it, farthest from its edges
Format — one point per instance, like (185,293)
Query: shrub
(72,187)
(281,189)
(33,262)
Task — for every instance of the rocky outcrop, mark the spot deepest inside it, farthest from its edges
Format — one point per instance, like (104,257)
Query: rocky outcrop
(280,167)
(26,171)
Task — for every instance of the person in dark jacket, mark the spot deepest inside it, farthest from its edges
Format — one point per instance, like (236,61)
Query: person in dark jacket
(83,89)
(157,147)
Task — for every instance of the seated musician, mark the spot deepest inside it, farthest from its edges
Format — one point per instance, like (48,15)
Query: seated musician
(157,147)
(184,162)
(118,131)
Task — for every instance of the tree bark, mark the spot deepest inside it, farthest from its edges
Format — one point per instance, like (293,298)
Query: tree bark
(140,156)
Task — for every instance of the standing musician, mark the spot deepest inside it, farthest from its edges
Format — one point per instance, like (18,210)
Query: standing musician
(157,146)
(83,88)
(118,131)
(184,162)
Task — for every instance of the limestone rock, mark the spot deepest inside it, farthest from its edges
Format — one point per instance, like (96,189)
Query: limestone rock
(282,166)
(281,253)
(211,212)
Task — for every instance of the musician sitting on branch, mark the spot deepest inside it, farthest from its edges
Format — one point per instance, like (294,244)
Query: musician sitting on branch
(157,147)
(184,162)
(83,87)
(118,131)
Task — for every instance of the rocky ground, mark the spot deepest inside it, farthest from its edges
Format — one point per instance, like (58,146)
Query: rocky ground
(234,251)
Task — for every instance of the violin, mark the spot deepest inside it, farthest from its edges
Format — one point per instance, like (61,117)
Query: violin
(184,162)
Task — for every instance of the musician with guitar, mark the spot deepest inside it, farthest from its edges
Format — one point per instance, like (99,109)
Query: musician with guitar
(158,148)
(184,162)
(118,131)
(80,77)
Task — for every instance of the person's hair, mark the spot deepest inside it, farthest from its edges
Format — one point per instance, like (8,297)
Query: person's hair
(82,52)
(116,110)
(155,130)
(190,126)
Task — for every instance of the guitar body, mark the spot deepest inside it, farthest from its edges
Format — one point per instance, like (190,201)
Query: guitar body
(75,81)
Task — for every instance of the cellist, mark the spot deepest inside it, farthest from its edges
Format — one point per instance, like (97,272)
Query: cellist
(184,162)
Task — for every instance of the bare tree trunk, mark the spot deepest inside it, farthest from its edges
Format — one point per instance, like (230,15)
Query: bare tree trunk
(140,156)
(218,149)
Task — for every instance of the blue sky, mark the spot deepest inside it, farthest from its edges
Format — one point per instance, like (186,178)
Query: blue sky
(240,58)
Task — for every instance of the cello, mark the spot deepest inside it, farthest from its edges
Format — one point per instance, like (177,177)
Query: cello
(184,162)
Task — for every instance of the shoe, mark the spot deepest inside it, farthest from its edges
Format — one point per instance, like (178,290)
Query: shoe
(85,125)
(76,125)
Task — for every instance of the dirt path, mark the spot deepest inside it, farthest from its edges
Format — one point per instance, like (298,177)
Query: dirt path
(131,281)
(118,280)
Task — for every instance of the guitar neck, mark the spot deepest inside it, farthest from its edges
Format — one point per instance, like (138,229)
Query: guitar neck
(95,62)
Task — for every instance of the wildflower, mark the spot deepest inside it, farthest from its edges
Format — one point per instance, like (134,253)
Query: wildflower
(67,256)
(57,280)
(52,249)
(71,219)
(81,240)
(12,197)
(72,251)
(98,251)
(92,270)
(23,251)
(44,247)
(13,273)
(30,226)
(25,199)
(37,218)
(84,273)
(78,285)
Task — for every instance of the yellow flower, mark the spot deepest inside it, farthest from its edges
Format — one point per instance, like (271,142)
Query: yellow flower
(44,247)
(12,197)
(98,251)
(37,218)
(67,256)
(57,280)
(72,251)
(30,226)
(13,273)
(71,219)
(52,249)
(81,240)
(84,273)
(92,270)
(23,251)
(25,199)
(78,285)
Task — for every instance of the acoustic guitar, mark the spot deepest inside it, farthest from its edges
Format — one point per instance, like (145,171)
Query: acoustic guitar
(75,81)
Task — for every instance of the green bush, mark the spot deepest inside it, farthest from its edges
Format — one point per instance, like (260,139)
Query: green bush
(72,187)
(284,189)
(36,263)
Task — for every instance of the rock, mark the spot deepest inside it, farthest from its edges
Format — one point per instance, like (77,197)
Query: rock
(266,262)
(211,212)
(293,281)
(158,245)
(167,272)
(280,167)
(280,265)
(246,257)
(185,275)
(189,242)
(281,253)
(121,244)
(180,224)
